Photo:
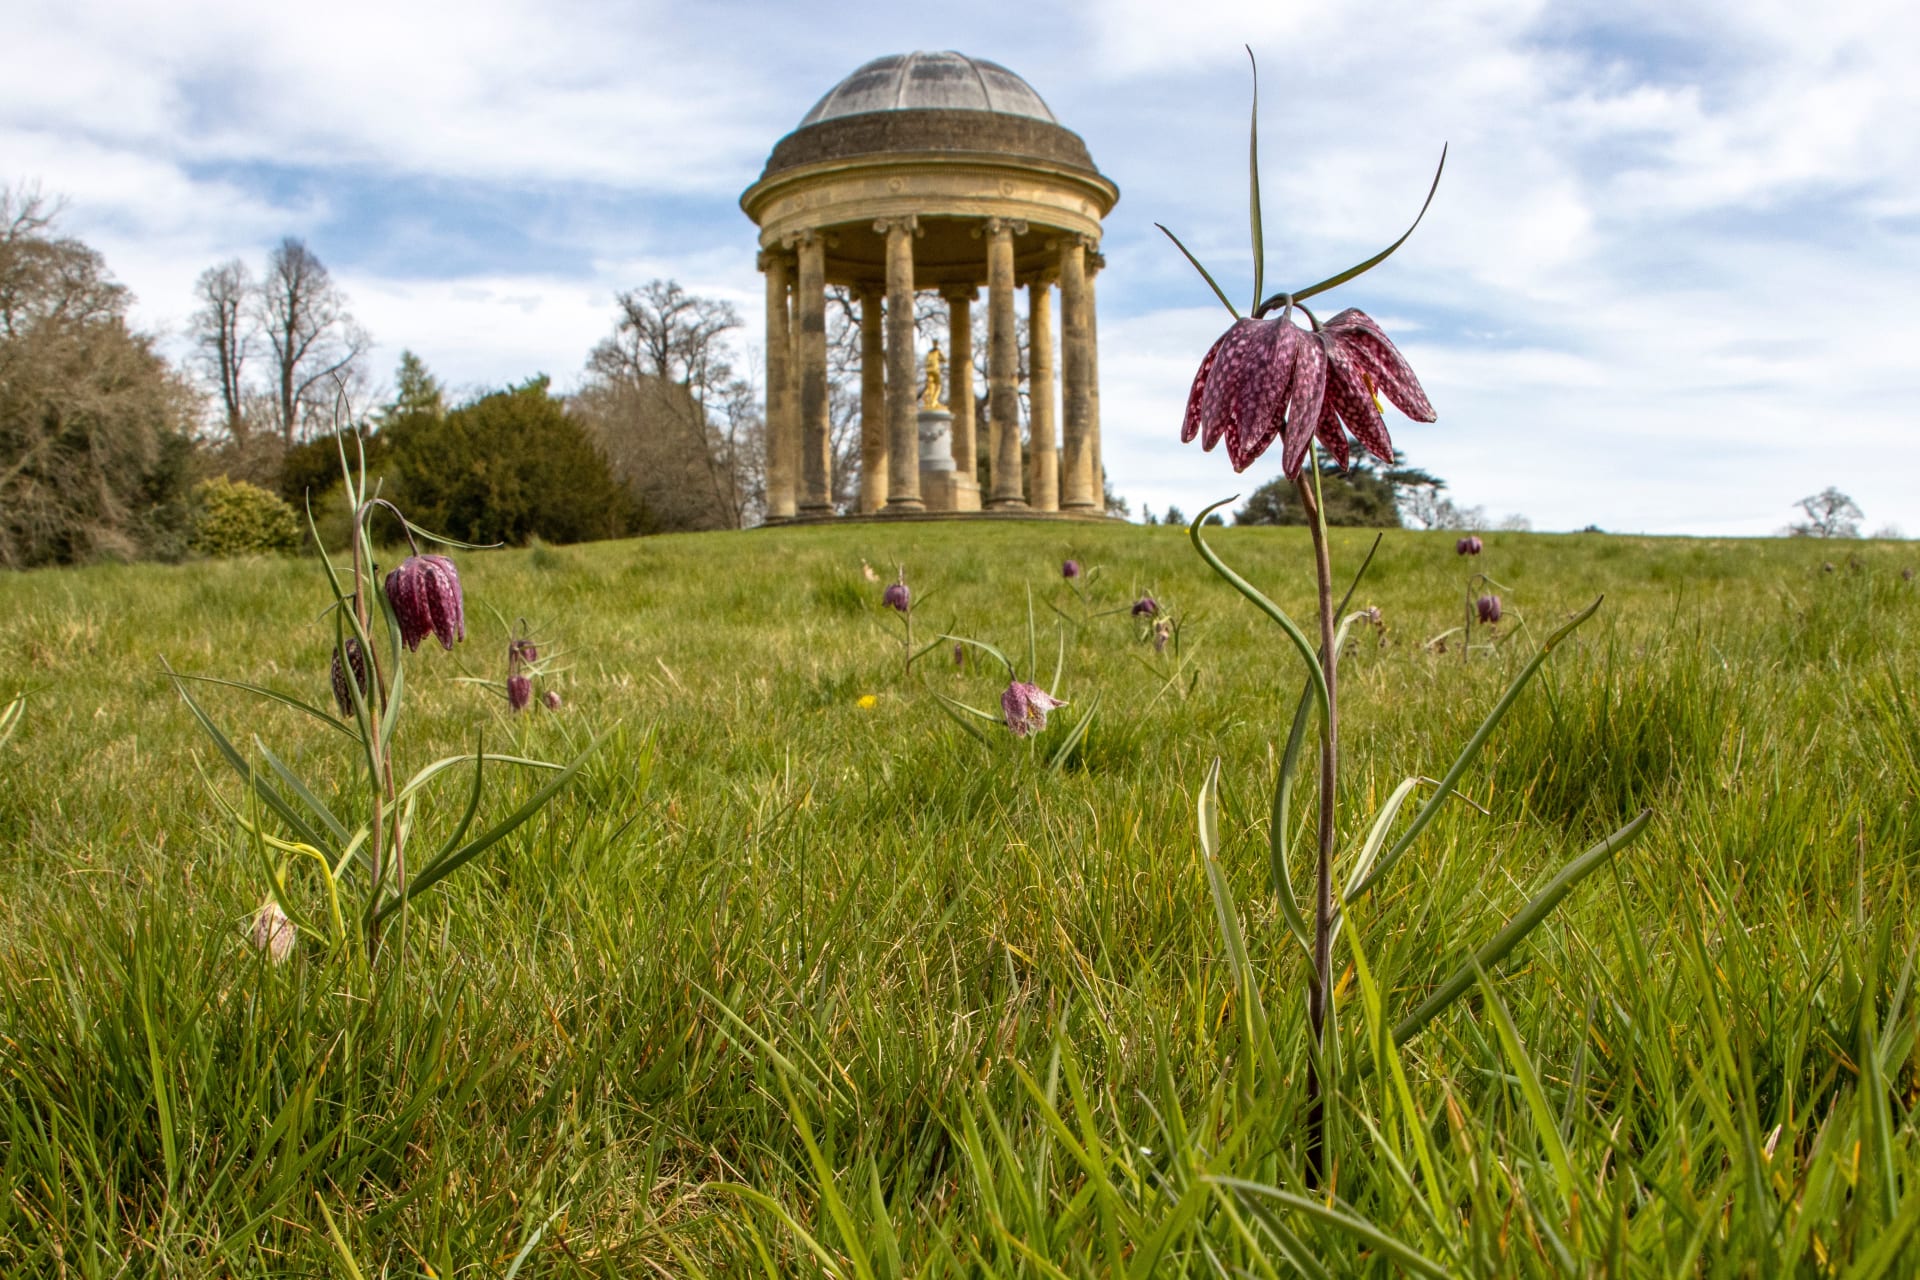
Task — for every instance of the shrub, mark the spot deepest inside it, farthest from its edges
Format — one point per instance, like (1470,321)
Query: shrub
(234,518)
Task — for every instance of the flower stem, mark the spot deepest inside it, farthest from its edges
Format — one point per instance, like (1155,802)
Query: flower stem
(1319,989)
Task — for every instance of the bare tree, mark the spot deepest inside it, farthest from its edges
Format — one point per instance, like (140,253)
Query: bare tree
(1830,514)
(223,336)
(316,345)
(92,422)
(667,409)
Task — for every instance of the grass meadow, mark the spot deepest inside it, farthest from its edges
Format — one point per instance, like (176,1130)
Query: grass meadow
(800,978)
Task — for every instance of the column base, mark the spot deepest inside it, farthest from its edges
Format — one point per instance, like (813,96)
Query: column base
(1079,506)
(1006,504)
(902,506)
(814,510)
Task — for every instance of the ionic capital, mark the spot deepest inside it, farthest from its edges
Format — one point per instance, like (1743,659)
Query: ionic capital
(1001,226)
(908,222)
(807,237)
(771,258)
(1095,261)
(960,292)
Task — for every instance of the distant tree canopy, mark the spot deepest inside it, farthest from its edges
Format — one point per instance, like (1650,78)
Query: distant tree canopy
(95,446)
(1830,514)
(1364,497)
(505,468)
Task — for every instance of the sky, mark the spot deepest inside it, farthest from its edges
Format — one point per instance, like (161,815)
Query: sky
(1668,284)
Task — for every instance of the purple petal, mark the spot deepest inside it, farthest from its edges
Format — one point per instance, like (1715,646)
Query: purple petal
(1303,403)
(1235,364)
(1190,425)
(1327,431)
(1265,418)
(1376,355)
(1347,392)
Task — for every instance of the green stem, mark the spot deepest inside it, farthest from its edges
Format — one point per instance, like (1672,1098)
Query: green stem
(1319,989)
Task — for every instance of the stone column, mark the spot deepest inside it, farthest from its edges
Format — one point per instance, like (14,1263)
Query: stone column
(780,419)
(960,392)
(903,421)
(1043,462)
(810,307)
(1076,377)
(1003,367)
(1095,261)
(873,403)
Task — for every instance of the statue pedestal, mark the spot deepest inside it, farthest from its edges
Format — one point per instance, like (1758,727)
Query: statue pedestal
(937,475)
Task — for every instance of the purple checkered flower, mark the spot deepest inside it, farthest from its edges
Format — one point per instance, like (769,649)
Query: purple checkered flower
(1269,378)
(1025,707)
(425,594)
(896,596)
(519,692)
(552,699)
(1488,607)
(1071,569)
(357,662)
(1146,607)
(1468,546)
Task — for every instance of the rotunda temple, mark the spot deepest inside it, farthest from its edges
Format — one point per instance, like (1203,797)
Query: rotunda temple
(933,172)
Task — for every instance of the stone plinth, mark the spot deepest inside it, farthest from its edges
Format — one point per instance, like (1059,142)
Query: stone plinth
(937,472)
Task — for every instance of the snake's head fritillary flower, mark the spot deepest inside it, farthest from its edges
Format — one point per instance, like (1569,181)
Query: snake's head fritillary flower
(272,932)
(1025,707)
(519,692)
(1162,632)
(1268,378)
(1070,569)
(1468,546)
(1146,607)
(896,596)
(425,594)
(552,699)
(959,655)
(522,653)
(356,662)
(1488,607)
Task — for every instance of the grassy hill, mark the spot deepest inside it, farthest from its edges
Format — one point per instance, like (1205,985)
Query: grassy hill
(793,931)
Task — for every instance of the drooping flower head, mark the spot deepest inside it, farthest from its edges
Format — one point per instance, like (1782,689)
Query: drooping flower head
(1146,607)
(519,692)
(425,594)
(1269,378)
(522,653)
(272,932)
(896,596)
(355,661)
(1488,607)
(1468,546)
(1162,632)
(1025,707)
(1070,569)
(552,699)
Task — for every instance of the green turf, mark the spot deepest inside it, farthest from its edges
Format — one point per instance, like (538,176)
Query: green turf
(949,1012)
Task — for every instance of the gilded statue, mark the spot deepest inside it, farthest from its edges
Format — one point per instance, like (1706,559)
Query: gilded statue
(932,399)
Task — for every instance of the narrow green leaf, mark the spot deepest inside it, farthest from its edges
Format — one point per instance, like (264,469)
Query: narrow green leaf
(1358,1228)
(1469,753)
(1218,292)
(331,721)
(442,867)
(986,648)
(1226,915)
(273,799)
(301,792)
(1074,737)
(1488,957)
(1301,295)
(1253,187)
(1544,1122)
(1266,606)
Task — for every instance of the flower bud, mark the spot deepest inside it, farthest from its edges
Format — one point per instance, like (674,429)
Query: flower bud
(519,692)
(357,661)
(1146,607)
(552,699)
(1162,632)
(272,932)
(425,594)
(1071,569)
(1488,607)
(896,596)
(1467,546)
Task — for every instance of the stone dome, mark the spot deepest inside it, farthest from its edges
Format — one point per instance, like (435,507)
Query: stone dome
(946,81)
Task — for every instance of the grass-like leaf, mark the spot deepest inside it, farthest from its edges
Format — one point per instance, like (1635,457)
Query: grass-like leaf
(1206,275)
(1301,295)
(1528,918)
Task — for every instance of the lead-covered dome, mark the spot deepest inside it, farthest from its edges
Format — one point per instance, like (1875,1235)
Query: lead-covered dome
(930,103)
(946,81)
